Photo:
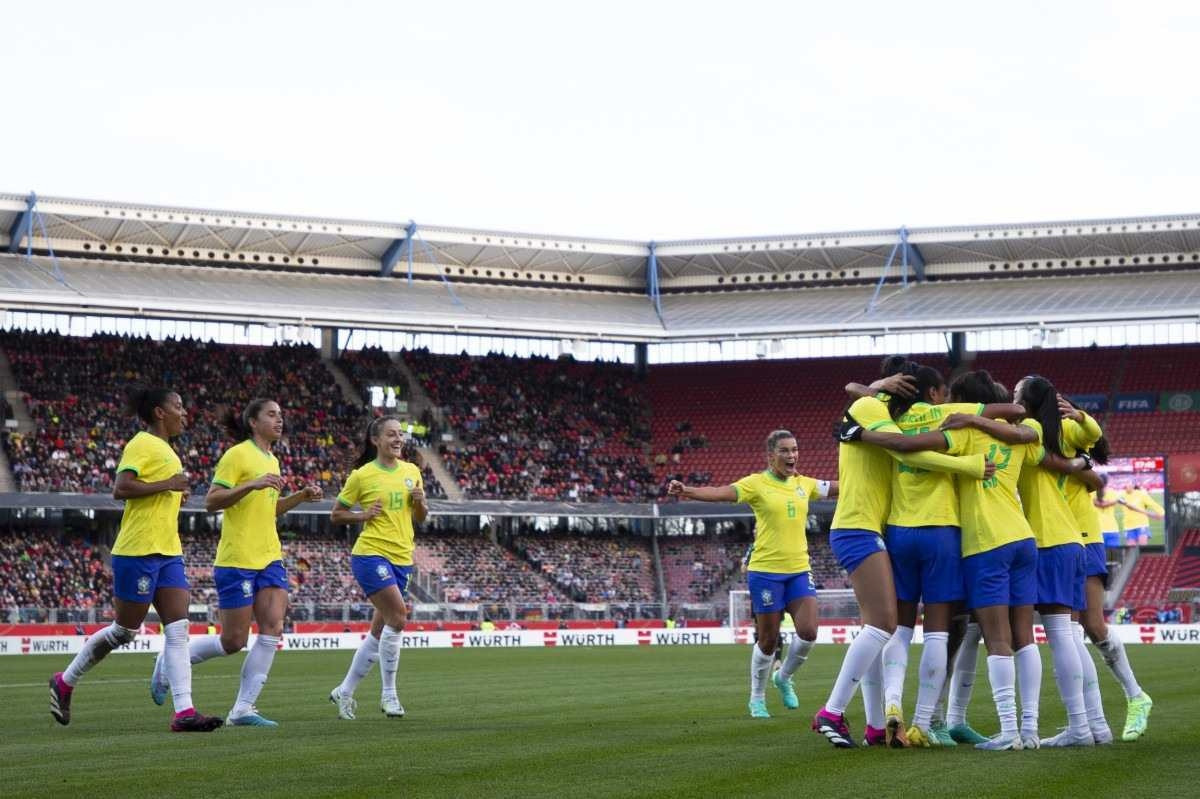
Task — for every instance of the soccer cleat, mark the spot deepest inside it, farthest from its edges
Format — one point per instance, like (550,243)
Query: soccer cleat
(874,736)
(1069,737)
(787,691)
(964,734)
(758,709)
(390,706)
(1002,743)
(939,731)
(346,704)
(60,700)
(251,719)
(894,728)
(1101,733)
(921,739)
(834,727)
(1137,717)
(159,687)
(194,722)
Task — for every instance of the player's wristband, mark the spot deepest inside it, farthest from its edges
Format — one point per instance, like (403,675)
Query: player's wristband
(1088,463)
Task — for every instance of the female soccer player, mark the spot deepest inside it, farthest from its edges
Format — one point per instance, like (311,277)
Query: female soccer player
(248,571)
(1140,508)
(1061,565)
(147,560)
(865,480)
(1106,505)
(391,493)
(778,576)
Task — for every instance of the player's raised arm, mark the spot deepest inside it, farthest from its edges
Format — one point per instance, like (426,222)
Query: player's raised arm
(702,493)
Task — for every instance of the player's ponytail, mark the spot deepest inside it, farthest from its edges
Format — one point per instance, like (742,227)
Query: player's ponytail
(1040,398)
(926,377)
(237,425)
(142,400)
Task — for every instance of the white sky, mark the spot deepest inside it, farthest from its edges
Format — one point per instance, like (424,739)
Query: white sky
(629,120)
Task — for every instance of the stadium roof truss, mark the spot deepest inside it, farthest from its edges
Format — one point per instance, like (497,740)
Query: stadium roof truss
(139,260)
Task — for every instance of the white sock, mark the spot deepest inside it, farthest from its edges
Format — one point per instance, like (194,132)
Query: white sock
(1068,673)
(205,647)
(364,658)
(1029,678)
(895,665)
(872,694)
(95,649)
(962,681)
(1002,675)
(176,666)
(1112,649)
(1092,702)
(760,667)
(931,675)
(255,669)
(863,649)
(797,653)
(389,658)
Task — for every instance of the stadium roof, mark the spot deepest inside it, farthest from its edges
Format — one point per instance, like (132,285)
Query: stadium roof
(163,262)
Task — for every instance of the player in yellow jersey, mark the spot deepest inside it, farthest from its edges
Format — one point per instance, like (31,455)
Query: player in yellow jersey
(778,575)
(248,571)
(1140,508)
(147,560)
(865,479)
(1106,503)
(391,493)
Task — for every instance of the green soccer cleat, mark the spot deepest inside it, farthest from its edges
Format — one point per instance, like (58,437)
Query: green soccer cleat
(939,731)
(787,691)
(1137,716)
(159,687)
(963,734)
(758,709)
(251,719)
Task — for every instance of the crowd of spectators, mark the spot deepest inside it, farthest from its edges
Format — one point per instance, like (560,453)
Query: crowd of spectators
(599,569)
(536,428)
(47,570)
(696,566)
(474,569)
(75,390)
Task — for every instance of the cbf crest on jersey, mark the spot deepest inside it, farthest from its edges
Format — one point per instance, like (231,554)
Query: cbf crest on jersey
(767,597)
(247,588)
(800,491)
(409,483)
(143,584)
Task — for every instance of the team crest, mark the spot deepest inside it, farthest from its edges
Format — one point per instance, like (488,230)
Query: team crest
(247,588)
(382,571)
(767,597)
(800,491)
(143,584)
(408,483)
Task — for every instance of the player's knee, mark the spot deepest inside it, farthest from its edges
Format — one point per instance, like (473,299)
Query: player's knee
(121,635)
(271,628)
(234,641)
(807,633)
(768,642)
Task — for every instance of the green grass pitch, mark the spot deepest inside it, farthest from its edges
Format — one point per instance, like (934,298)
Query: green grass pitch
(628,721)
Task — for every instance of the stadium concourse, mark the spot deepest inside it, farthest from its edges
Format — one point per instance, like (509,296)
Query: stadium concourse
(720,340)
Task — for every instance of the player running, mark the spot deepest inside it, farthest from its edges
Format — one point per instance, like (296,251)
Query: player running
(391,493)
(865,478)
(778,575)
(147,561)
(248,571)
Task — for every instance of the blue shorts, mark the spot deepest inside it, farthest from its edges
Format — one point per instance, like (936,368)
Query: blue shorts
(375,573)
(1095,561)
(772,593)
(236,587)
(1135,534)
(1006,575)
(136,578)
(1061,574)
(1112,540)
(926,563)
(851,547)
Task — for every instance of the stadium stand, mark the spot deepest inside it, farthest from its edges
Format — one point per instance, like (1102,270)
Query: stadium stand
(46,570)
(694,567)
(540,429)
(473,569)
(618,569)
(1156,574)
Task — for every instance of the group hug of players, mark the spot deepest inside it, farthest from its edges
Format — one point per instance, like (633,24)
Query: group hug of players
(252,584)
(965,502)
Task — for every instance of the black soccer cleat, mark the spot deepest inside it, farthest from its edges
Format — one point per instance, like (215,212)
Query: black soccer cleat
(196,723)
(60,702)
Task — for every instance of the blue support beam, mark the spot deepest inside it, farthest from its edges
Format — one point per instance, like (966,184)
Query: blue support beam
(912,257)
(392,254)
(23,226)
(652,278)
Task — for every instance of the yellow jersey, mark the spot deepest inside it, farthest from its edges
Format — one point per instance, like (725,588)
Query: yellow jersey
(390,534)
(1079,437)
(990,509)
(249,539)
(1108,515)
(1137,501)
(920,497)
(780,520)
(1044,502)
(150,524)
(865,472)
